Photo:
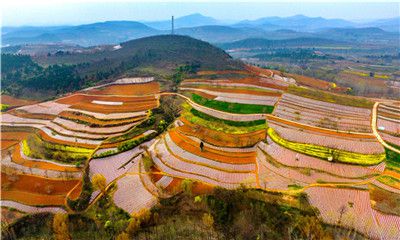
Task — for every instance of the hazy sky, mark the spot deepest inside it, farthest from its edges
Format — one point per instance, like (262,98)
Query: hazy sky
(58,12)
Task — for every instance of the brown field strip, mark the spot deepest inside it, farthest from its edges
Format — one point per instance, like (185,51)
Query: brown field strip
(76,191)
(389,115)
(248,80)
(128,89)
(5,144)
(47,138)
(220,156)
(202,73)
(203,94)
(79,98)
(155,174)
(17,158)
(25,114)
(307,81)
(174,186)
(33,199)
(17,135)
(32,190)
(91,120)
(237,90)
(129,104)
(391,173)
(39,185)
(9,138)
(221,139)
(259,71)
(107,109)
(321,130)
(15,102)
(200,188)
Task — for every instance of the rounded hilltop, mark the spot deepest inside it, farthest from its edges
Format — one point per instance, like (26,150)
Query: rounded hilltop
(172,50)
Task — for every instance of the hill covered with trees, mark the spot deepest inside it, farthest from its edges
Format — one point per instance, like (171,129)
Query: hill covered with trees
(63,72)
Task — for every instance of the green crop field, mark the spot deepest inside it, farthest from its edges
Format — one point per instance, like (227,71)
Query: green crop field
(327,153)
(232,107)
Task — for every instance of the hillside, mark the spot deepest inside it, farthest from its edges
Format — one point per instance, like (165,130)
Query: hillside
(207,29)
(218,34)
(192,20)
(66,72)
(296,42)
(297,22)
(109,32)
(228,152)
(158,51)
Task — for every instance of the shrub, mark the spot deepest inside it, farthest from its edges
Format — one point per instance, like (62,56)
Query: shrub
(60,227)
(127,145)
(147,162)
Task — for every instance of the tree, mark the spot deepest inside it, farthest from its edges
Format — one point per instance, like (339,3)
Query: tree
(60,227)
(371,74)
(99,182)
(311,228)
(208,220)
(143,216)
(148,162)
(133,226)
(187,185)
(123,236)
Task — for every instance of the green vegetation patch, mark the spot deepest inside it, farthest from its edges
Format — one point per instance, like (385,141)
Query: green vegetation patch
(232,107)
(331,98)
(328,153)
(364,74)
(35,147)
(393,159)
(385,201)
(388,180)
(222,125)
(4,107)
(228,122)
(220,214)
(125,146)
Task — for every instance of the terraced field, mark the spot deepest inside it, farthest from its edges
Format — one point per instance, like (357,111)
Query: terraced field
(48,144)
(254,130)
(389,123)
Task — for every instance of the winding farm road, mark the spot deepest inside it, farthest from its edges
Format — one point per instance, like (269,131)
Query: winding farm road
(375,130)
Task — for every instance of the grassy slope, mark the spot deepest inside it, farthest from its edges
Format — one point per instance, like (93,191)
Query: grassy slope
(217,124)
(330,97)
(325,153)
(393,159)
(232,107)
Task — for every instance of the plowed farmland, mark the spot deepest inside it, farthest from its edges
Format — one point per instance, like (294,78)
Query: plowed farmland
(242,129)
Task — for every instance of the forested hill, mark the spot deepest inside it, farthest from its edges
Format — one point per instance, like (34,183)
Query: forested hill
(295,42)
(64,72)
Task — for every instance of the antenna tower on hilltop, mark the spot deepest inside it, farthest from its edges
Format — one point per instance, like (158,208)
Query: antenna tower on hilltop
(172,25)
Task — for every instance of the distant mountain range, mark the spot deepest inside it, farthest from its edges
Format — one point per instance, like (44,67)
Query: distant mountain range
(208,29)
(294,42)
(193,20)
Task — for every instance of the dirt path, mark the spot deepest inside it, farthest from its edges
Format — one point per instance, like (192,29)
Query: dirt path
(375,131)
